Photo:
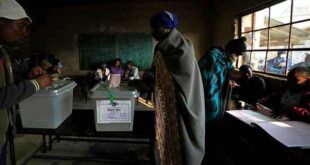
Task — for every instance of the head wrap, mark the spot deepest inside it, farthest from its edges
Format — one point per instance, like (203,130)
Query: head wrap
(165,19)
(10,9)
(236,46)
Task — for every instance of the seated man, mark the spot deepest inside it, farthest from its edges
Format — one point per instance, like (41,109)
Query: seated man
(249,87)
(277,64)
(103,72)
(131,72)
(116,68)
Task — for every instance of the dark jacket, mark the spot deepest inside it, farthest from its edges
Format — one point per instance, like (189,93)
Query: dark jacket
(10,94)
(250,90)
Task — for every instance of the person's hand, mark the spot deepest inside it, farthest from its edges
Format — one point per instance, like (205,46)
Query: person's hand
(233,84)
(36,72)
(44,81)
(277,114)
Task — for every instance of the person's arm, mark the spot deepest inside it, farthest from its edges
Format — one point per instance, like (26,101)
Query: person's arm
(125,76)
(15,93)
(136,73)
(302,111)
(258,90)
(261,85)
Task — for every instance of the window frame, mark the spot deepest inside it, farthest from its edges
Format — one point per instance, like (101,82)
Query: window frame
(251,12)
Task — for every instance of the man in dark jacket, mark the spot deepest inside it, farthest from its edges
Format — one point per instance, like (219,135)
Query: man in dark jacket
(13,28)
(250,87)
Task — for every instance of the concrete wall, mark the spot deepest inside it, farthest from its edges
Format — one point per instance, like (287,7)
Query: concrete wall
(221,18)
(58,32)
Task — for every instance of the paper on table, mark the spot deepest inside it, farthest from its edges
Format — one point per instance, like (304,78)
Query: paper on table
(268,112)
(289,133)
(115,80)
(249,116)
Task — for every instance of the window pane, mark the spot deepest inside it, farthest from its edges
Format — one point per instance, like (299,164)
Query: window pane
(280,13)
(298,58)
(248,41)
(301,10)
(300,37)
(246,23)
(260,39)
(276,62)
(242,60)
(236,23)
(279,37)
(258,60)
(261,19)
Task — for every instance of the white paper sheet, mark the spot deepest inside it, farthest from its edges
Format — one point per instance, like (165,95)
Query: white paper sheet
(115,80)
(120,113)
(289,133)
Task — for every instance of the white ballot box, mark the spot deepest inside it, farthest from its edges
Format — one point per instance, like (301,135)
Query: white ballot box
(116,115)
(49,107)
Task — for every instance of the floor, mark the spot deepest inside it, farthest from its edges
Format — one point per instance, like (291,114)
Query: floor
(80,153)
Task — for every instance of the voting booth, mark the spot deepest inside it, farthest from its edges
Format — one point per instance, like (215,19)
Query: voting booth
(49,107)
(114,107)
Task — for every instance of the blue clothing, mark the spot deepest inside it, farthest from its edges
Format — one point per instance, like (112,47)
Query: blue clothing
(215,67)
(276,65)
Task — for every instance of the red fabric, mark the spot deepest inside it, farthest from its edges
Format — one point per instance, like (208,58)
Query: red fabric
(302,111)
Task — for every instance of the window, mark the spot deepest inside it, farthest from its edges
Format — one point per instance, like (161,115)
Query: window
(278,37)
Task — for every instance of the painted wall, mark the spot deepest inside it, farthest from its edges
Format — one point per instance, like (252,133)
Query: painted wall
(221,17)
(59,30)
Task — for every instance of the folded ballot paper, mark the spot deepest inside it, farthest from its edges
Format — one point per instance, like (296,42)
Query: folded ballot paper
(115,80)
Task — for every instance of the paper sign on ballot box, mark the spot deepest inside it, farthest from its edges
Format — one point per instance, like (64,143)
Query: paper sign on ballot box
(118,113)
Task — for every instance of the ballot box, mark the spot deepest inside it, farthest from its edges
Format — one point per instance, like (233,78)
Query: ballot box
(114,107)
(49,107)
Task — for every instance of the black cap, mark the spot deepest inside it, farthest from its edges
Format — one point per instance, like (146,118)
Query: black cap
(236,46)
(244,68)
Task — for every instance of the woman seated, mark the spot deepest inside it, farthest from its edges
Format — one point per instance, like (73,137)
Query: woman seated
(294,99)
(116,68)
